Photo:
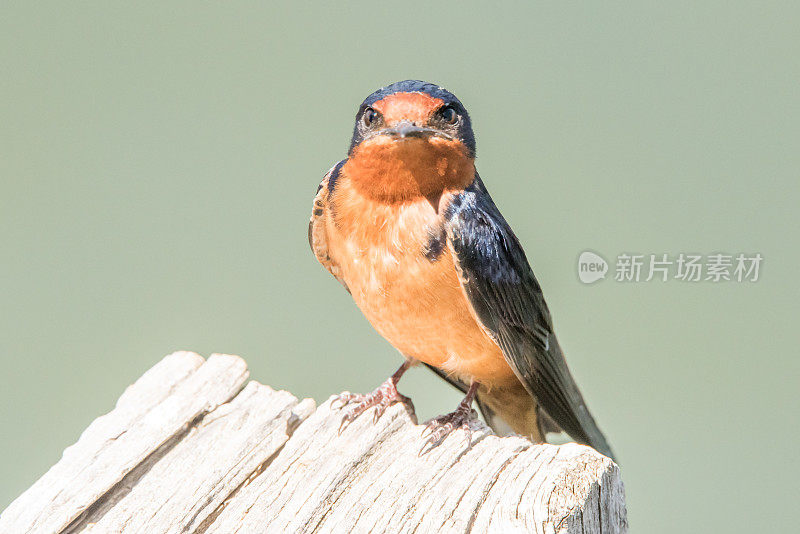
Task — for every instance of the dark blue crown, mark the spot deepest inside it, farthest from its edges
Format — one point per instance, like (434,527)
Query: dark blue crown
(413,86)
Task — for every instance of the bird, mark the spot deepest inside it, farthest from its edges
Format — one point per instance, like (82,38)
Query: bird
(406,225)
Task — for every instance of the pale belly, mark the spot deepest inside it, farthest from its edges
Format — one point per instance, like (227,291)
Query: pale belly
(418,305)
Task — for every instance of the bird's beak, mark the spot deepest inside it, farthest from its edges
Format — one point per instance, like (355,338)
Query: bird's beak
(407,129)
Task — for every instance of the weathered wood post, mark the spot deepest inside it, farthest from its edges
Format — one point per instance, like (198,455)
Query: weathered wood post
(192,447)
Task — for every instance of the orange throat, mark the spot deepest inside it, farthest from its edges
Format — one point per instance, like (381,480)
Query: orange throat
(393,170)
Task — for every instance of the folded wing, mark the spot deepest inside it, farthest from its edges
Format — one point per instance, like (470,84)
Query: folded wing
(507,299)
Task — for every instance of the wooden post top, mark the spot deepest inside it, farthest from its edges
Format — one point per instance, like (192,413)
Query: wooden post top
(193,447)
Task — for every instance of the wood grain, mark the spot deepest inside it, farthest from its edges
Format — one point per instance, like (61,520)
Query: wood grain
(188,449)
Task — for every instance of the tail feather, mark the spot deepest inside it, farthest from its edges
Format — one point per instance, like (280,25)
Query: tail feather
(587,432)
(512,410)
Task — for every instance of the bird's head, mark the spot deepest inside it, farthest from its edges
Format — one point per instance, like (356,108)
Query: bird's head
(413,110)
(412,138)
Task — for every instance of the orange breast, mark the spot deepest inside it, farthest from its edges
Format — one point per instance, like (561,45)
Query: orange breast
(417,304)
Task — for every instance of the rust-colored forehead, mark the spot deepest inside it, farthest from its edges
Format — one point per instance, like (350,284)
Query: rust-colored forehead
(415,107)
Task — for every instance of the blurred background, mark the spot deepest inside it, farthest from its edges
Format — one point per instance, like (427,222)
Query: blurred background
(158,164)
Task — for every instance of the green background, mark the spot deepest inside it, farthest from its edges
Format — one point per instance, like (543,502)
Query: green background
(158,164)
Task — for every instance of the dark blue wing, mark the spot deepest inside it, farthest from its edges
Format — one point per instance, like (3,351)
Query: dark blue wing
(507,299)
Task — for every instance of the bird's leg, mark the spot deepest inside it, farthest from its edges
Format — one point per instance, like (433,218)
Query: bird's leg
(384,396)
(443,425)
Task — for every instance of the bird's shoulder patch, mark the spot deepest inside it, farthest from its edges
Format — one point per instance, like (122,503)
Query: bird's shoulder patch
(436,242)
(332,177)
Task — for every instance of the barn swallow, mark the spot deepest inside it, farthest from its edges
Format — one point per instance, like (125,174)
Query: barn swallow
(405,223)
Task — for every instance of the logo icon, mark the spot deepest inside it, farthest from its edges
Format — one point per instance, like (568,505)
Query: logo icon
(591,267)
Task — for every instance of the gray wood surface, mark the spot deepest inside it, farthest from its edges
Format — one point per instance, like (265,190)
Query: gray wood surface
(190,448)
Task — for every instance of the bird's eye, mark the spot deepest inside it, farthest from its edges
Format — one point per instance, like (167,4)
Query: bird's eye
(369,117)
(449,115)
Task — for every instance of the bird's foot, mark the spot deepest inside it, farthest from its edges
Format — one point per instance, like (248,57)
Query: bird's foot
(440,427)
(384,396)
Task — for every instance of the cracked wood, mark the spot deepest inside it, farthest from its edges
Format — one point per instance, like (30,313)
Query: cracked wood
(191,448)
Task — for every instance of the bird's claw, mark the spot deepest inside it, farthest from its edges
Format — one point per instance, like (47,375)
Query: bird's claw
(384,396)
(439,428)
